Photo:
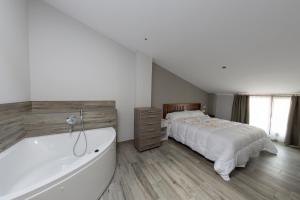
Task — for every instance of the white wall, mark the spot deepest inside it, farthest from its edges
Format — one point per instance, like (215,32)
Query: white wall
(143,82)
(70,61)
(14,69)
(224,106)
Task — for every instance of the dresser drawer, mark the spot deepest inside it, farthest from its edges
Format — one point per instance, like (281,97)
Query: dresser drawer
(146,147)
(148,134)
(147,128)
(144,143)
(150,111)
(149,116)
(149,141)
(149,122)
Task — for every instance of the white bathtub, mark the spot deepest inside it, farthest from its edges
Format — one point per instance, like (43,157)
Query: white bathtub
(44,168)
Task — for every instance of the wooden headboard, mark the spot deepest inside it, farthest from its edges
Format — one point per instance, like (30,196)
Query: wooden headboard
(176,107)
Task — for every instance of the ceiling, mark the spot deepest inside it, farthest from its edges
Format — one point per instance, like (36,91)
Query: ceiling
(258,40)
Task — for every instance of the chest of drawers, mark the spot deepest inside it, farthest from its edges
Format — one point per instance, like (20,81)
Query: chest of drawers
(147,124)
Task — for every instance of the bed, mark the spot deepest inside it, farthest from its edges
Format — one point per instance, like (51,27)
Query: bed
(228,144)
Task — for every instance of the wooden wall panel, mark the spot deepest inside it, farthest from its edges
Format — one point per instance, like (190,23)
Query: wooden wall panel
(177,107)
(12,117)
(37,118)
(49,117)
(70,106)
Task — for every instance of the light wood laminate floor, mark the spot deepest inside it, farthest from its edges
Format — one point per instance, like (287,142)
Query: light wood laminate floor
(175,172)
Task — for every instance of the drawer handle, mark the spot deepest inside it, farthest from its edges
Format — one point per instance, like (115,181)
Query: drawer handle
(149,123)
(153,137)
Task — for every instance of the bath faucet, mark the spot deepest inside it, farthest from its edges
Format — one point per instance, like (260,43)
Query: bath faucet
(71,121)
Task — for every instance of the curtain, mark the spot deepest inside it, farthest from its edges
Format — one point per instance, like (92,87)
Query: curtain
(240,109)
(293,128)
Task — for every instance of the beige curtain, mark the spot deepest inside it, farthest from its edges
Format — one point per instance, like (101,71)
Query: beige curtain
(240,109)
(293,128)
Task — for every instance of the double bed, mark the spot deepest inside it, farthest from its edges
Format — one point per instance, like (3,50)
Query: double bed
(228,144)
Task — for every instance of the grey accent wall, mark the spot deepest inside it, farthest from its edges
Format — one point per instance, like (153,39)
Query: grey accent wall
(223,106)
(220,105)
(211,107)
(169,88)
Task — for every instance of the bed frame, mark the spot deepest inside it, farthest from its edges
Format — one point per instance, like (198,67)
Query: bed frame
(177,107)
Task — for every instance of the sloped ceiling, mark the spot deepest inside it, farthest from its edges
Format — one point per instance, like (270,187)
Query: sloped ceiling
(258,40)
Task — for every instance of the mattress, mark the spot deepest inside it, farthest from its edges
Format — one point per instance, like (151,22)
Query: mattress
(228,144)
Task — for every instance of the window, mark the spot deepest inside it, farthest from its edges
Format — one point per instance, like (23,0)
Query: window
(270,114)
(260,112)
(279,118)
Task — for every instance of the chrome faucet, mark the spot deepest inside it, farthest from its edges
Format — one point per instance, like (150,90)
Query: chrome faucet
(71,121)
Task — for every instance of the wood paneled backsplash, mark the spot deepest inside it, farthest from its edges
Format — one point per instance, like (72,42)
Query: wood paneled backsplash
(49,117)
(19,120)
(12,117)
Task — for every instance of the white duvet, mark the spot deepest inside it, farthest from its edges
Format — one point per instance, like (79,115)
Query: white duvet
(228,144)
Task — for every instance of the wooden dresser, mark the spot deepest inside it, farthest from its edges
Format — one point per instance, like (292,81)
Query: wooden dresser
(147,123)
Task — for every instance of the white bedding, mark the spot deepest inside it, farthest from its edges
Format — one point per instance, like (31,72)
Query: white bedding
(228,144)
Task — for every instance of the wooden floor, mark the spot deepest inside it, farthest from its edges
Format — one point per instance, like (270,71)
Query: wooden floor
(175,172)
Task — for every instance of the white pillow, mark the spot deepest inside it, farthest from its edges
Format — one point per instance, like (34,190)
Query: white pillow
(195,113)
(184,114)
(177,115)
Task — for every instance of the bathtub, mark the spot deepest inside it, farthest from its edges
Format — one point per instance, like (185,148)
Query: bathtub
(44,168)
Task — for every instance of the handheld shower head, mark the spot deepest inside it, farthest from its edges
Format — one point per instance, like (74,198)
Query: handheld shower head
(81,114)
(82,131)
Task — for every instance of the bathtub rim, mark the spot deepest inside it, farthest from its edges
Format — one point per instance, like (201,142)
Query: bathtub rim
(13,147)
(81,164)
(110,181)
